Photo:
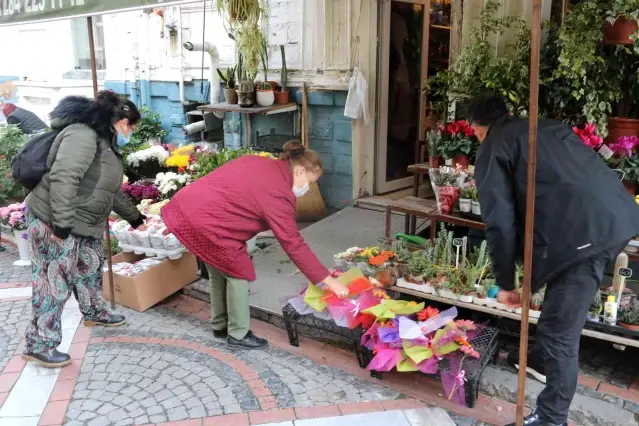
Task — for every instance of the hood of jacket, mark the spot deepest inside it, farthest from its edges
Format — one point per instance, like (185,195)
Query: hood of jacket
(82,110)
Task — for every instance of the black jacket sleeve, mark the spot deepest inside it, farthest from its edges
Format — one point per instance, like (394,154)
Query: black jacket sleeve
(494,177)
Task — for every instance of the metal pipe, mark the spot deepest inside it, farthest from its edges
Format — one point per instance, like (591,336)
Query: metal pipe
(94,78)
(535,46)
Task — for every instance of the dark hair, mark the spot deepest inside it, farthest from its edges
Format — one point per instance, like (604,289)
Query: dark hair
(485,109)
(120,107)
(295,153)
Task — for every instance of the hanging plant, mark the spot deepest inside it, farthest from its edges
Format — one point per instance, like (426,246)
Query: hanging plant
(240,11)
(249,42)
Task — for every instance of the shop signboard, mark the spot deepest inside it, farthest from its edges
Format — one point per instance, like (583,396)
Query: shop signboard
(14,12)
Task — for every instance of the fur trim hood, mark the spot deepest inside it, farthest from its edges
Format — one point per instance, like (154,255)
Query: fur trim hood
(79,109)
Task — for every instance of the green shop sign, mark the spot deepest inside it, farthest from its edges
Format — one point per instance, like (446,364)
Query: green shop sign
(24,11)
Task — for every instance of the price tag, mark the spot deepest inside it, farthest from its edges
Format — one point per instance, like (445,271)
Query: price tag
(625,272)
(605,152)
(458,242)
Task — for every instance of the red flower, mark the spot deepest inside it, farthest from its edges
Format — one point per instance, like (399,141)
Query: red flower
(453,128)
(427,313)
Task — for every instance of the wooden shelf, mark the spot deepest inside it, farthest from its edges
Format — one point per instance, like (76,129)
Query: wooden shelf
(511,315)
(419,168)
(273,109)
(442,27)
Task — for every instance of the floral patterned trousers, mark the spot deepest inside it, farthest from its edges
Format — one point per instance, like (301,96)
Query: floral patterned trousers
(62,267)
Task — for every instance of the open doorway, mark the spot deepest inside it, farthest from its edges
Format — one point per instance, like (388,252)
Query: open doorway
(415,43)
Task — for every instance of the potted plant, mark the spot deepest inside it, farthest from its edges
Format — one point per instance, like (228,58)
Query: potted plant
(14,216)
(149,129)
(435,140)
(625,158)
(621,22)
(281,96)
(595,308)
(265,96)
(459,143)
(402,257)
(230,93)
(629,316)
(264,58)
(466,197)
(474,204)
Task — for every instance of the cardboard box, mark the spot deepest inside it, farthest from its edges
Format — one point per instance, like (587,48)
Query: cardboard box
(150,287)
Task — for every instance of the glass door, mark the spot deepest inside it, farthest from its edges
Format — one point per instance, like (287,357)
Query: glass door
(404,66)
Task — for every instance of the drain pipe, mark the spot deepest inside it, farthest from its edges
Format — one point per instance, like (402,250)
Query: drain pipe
(214,79)
(181,53)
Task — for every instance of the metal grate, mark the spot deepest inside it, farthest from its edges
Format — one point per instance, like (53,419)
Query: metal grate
(270,142)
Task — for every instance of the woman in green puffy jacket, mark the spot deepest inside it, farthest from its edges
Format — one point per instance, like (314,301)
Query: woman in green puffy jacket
(67,215)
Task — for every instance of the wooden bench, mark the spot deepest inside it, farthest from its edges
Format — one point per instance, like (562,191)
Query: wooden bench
(410,206)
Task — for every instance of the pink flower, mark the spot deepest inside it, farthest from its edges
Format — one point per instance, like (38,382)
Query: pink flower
(465,325)
(588,135)
(624,146)
(4,212)
(470,351)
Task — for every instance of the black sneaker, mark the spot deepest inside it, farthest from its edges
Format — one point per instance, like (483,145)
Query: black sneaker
(534,366)
(250,341)
(114,320)
(534,420)
(48,359)
(221,334)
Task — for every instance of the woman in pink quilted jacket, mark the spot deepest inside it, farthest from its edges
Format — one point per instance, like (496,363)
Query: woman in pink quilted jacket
(216,215)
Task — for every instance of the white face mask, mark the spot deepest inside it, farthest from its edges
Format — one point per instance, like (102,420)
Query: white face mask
(299,192)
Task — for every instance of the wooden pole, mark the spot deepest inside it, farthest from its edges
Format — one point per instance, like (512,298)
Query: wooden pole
(94,78)
(533,112)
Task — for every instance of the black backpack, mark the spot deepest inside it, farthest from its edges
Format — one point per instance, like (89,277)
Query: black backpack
(30,165)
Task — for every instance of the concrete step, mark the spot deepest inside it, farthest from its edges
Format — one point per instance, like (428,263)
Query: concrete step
(423,417)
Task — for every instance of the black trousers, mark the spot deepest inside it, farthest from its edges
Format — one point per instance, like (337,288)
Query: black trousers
(568,298)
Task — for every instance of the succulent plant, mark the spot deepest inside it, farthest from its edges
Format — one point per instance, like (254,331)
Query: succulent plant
(630,314)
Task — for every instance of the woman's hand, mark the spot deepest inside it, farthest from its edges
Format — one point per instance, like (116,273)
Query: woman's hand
(336,287)
(509,298)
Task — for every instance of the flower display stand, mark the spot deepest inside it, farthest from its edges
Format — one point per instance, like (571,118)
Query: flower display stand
(485,342)
(323,330)
(22,242)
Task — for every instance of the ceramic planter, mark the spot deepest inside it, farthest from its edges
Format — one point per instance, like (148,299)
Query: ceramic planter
(462,160)
(281,98)
(475,208)
(465,205)
(265,98)
(422,288)
(434,162)
(620,31)
(491,302)
(447,294)
(467,298)
(22,242)
(245,99)
(534,314)
(618,127)
(230,95)
(481,301)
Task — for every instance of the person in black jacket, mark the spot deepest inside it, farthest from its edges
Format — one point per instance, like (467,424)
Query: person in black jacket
(583,219)
(27,121)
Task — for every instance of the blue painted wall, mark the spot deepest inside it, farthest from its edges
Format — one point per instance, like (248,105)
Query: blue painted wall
(329,131)
(11,99)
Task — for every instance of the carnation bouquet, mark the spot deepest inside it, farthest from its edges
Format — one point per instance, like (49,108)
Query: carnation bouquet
(139,191)
(446,182)
(14,216)
(148,162)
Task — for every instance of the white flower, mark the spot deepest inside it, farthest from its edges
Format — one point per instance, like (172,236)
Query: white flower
(171,182)
(156,152)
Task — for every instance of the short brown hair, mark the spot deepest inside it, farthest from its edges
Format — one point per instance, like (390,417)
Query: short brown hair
(295,153)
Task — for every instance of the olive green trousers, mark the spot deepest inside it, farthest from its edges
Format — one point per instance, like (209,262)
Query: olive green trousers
(229,303)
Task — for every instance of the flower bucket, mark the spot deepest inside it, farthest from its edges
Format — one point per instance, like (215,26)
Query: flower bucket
(465,205)
(620,31)
(618,127)
(22,242)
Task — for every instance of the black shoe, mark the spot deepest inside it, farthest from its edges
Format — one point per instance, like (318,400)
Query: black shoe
(48,359)
(114,321)
(534,366)
(534,420)
(2,249)
(221,334)
(250,341)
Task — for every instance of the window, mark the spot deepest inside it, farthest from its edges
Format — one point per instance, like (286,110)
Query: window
(80,39)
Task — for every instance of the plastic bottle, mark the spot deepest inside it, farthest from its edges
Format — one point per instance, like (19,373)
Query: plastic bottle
(610,311)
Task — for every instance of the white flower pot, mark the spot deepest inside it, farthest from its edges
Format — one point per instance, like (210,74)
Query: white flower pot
(491,303)
(534,314)
(480,302)
(265,98)
(464,205)
(423,288)
(466,298)
(22,242)
(475,207)
(447,294)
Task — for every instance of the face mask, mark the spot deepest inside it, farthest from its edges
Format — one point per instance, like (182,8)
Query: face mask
(299,192)
(123,140)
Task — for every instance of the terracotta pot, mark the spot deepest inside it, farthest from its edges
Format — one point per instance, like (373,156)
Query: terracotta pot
(434,162)
(631,187)
(230,95)
(462,160)
(633,327)
(281,98)
(273,84)
(620,32)
(618,127)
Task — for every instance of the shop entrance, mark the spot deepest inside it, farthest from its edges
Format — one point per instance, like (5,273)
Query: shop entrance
(415,42)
